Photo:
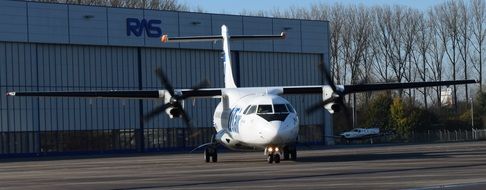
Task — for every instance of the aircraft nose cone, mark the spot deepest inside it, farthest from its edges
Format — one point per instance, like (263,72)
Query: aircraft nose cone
(272,132)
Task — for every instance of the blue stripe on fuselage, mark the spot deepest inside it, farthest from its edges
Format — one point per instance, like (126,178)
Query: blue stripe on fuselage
(234,120)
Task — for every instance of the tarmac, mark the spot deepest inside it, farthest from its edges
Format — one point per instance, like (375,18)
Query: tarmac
(418,166)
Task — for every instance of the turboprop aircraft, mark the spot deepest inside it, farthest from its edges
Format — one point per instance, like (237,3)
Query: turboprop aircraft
(246,118)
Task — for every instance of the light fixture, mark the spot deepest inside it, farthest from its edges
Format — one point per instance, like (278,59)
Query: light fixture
(87,17)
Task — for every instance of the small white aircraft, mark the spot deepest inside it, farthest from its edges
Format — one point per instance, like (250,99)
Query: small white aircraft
(246,118)
(363,133)
(358,133)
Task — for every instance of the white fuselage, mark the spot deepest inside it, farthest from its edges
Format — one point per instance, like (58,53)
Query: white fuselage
(250,119)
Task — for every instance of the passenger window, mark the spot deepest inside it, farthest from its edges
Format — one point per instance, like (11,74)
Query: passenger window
(280,108)
(291,109)
(264,109)
(252,109)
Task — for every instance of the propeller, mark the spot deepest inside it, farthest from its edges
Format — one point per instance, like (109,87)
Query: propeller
(337,96)
(175,101)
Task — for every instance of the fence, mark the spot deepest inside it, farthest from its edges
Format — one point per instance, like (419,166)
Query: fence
(449,135)
(425,137)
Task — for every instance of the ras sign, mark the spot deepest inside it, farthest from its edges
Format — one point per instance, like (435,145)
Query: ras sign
(151,27)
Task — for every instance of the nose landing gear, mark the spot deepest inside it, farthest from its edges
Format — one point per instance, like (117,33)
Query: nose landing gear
(273,154)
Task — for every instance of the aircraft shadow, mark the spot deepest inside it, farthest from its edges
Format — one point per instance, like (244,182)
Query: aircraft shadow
(368,172)
(367,157)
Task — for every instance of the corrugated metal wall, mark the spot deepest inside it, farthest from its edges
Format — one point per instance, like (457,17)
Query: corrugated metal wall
(35,125)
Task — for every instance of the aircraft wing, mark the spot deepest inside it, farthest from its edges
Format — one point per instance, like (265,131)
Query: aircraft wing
(391,86)
(217,92)
(129,94)
(348,89)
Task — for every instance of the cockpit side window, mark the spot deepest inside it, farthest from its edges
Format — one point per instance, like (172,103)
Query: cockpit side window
(280,108)
(265,109)
(290,108)
(251,110)
(246,110)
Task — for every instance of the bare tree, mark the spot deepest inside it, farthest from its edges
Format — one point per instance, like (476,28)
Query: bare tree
(478,31)
(410,20)
(448,17)
(336,25)
(172,5)
(462,43)
(423,39)
(381,41)
(436,52)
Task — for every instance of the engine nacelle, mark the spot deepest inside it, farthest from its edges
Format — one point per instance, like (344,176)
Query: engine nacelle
(173,112)
(328,93)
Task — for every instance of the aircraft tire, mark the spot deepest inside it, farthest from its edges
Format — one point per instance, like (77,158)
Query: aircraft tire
(293,153)
(270,158)
(207,155)
(276,158)
(286,154)
(215,156)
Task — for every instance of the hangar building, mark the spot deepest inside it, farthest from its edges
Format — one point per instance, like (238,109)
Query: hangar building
(54,47)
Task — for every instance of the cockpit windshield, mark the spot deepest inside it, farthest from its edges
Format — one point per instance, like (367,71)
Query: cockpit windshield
(280,108)
(269,109)
(265,109)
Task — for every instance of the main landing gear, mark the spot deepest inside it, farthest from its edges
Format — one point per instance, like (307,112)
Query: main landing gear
(290,152)
(211,154)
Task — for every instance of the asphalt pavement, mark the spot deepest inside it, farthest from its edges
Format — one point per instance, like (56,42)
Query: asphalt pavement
(424,166)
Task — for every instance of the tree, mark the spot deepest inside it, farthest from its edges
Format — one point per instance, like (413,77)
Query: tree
(405,118)
(463,40)
(448,17)
(478,17)
(172,5)
(376,113)
(423,40)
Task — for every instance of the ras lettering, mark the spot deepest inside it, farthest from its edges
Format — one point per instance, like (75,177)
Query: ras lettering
(136,27)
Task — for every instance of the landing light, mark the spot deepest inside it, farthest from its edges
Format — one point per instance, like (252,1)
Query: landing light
(276,149)
(270,149)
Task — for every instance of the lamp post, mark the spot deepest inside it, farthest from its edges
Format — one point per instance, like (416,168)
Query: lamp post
(472,113)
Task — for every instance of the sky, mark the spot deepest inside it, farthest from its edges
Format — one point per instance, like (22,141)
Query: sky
(237,6)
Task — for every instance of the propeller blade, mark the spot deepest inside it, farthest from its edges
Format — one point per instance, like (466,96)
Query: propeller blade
(155,112)
(184,115)
(319,105)
(324,71)
(204,84)
(346,112)
(163,79)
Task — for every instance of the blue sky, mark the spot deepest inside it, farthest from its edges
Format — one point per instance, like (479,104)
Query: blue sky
(237,6)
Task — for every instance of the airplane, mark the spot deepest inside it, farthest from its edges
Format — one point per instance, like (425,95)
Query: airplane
(247,118)
(363,133)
